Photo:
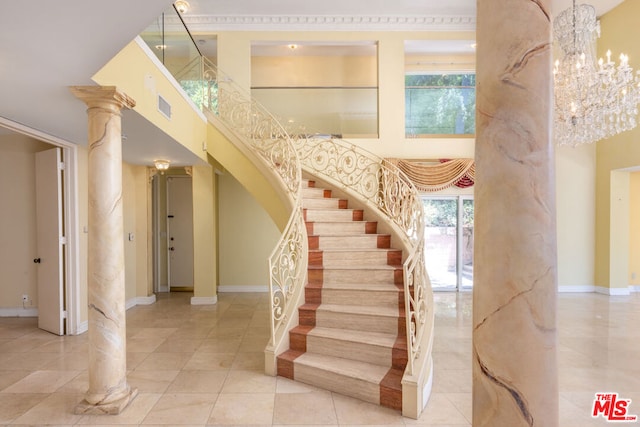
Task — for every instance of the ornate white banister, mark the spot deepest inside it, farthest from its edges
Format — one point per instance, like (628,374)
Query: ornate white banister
(386,188)
(370,179)
(255,126)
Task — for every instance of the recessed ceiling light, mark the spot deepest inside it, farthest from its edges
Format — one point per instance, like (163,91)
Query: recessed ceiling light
(182,6)
(161,46)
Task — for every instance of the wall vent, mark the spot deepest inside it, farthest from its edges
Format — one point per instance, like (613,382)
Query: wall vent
(164,107)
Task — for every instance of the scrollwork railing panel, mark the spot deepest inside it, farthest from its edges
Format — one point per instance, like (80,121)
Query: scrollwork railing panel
(385,187)
(264,135)
(376,182)
(286,265)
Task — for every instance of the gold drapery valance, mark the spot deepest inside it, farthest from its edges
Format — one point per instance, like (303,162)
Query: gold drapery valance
(436,175)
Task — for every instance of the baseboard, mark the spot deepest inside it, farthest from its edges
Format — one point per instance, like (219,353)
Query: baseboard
(151,299)
(257,288)
(18,312)
(83,327)
(581,289)
(204,300)
(130,303)
(599,290)
(613,291)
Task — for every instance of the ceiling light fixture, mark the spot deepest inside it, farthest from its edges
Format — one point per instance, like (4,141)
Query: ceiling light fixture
(593,101)
(182,6)
(161,165)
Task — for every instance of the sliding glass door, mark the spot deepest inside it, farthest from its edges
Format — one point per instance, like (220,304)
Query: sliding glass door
(449,242)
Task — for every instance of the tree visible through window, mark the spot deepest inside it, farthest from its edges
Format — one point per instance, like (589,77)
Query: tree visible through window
(440,104)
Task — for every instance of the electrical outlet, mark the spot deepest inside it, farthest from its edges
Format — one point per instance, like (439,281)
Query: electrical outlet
(25,298)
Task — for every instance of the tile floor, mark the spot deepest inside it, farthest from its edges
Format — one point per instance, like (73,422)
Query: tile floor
(202,365)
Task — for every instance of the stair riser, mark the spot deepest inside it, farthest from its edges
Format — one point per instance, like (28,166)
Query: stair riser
(364,241)
(342,228)
(335,215)
(357,258)
(350,350)
(342,384)
(349,266)
(363,298)
(339,277)
(358,322)
(324,204)
(315,193)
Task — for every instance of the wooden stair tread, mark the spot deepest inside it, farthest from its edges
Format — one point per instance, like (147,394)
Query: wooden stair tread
(363,371)
(367,250)
(350,337)
(364,287)
(373,338)
(375,310)
(385,267)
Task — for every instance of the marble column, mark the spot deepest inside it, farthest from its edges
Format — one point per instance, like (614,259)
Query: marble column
(515,379)
(109,392)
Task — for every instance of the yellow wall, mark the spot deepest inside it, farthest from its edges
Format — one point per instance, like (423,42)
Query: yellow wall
(314,71)
(619,152)
(247,235)
(575,210)
(440,63)
(234,59)
(576,202)
(135,215)
(133,72)
(576,232)
(634,228)
(204,232)
(236,163)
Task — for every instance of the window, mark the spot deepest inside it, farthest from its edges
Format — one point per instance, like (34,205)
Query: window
(440,104)
(449,242)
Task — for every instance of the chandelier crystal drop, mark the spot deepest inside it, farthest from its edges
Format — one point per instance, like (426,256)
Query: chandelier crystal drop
(593,100)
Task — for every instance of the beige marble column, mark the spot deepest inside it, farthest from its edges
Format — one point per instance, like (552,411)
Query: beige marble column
(109,392)
(515,380)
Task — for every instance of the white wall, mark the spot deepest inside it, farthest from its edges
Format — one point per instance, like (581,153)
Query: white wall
(18,244)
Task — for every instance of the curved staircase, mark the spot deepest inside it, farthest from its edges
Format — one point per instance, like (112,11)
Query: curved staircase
(351,337)
(349,312)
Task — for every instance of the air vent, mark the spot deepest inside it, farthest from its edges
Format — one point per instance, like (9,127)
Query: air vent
(164,107)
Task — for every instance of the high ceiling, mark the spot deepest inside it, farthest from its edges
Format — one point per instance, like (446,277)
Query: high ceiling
(47,46)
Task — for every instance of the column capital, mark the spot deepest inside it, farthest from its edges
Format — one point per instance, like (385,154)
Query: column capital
(95,96)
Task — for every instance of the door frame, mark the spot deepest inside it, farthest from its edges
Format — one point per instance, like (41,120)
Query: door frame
(168,226)
(74,326)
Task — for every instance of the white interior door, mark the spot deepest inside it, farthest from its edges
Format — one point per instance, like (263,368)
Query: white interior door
(50,241)
(180,231)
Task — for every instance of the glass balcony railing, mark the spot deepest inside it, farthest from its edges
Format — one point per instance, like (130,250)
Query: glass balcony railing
(173,44)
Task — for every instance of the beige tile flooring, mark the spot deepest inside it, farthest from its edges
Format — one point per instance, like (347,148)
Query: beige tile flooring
(202,365)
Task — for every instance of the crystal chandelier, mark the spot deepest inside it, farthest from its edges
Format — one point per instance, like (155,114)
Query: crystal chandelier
(593,100)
